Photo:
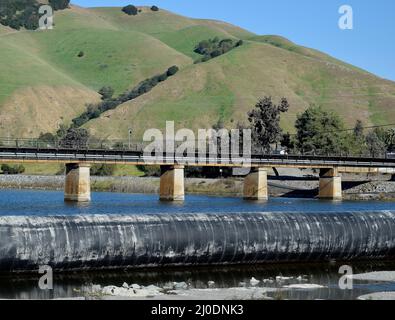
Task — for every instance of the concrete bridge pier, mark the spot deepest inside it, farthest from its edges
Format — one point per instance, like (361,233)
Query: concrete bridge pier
(172,183)
(330,184)
(255,185)
(77,185)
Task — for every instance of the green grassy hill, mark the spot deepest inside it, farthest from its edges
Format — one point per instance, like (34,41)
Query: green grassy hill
(45,83)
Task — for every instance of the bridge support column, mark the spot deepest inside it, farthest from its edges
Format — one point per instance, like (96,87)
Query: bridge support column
(255,185)
(172,183)
(77,186)
(330,184)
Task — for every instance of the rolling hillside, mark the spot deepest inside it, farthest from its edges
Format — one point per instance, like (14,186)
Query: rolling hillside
(45,81)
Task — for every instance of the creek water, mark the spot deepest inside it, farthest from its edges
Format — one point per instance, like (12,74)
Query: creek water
(50,203)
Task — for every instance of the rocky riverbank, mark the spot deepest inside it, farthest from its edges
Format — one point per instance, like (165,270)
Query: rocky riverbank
(354,187)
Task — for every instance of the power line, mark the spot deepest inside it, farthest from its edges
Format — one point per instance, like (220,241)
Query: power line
(352,129)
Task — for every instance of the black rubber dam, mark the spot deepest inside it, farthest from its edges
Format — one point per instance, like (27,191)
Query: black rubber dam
(97,242)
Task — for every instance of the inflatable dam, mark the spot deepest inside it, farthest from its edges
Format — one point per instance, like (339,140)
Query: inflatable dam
(137,241)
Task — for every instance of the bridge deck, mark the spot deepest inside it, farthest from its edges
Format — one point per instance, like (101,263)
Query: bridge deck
(99,156)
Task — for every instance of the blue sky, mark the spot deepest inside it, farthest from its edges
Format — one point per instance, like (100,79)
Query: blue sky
(312,23)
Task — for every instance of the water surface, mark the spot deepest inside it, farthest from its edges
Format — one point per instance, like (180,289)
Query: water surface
(47,203)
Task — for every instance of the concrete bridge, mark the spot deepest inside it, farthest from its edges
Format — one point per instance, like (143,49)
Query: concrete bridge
(78,163)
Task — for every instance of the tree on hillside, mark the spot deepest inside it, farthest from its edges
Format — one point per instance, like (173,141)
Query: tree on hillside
(356,141)
(172,71)
(287,142)
(215,47)
(376,147)
(61,132)
(387,137)
(154,8)
(75,138)
(106,92)
(24,13)
(391,140)
(130,9)
(47,138)
(19,13)
(358,129)
(265,122)
(59,4)
(320,132)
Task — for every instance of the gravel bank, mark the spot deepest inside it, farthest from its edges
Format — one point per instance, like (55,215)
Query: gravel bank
(354,187)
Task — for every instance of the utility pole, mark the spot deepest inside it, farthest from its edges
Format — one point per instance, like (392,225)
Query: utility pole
(130,138)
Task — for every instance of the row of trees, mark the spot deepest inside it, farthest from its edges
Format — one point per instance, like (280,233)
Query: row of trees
(24,13)
(318,132)
(109,103)
(215,47)
(323,132)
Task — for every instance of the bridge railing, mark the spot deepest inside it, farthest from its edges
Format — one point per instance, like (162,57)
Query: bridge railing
(91,144)
(137,146)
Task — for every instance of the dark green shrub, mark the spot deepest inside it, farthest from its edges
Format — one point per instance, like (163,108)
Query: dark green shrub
(17,169)
(150,171)
(46,138)
(59,4)
(172,71)
(216,53)
(24,13)
(103,170)
(80,54)
(163,77)
(75,138)
(154,8)
(20,13)
(131,10)
(215,47)
(106,92)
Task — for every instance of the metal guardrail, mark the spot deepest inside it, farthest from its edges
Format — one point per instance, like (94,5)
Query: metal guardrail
(103,155)
(39,144)
(125,151)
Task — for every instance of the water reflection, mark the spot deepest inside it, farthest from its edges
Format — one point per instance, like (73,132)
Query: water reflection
(77,284)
